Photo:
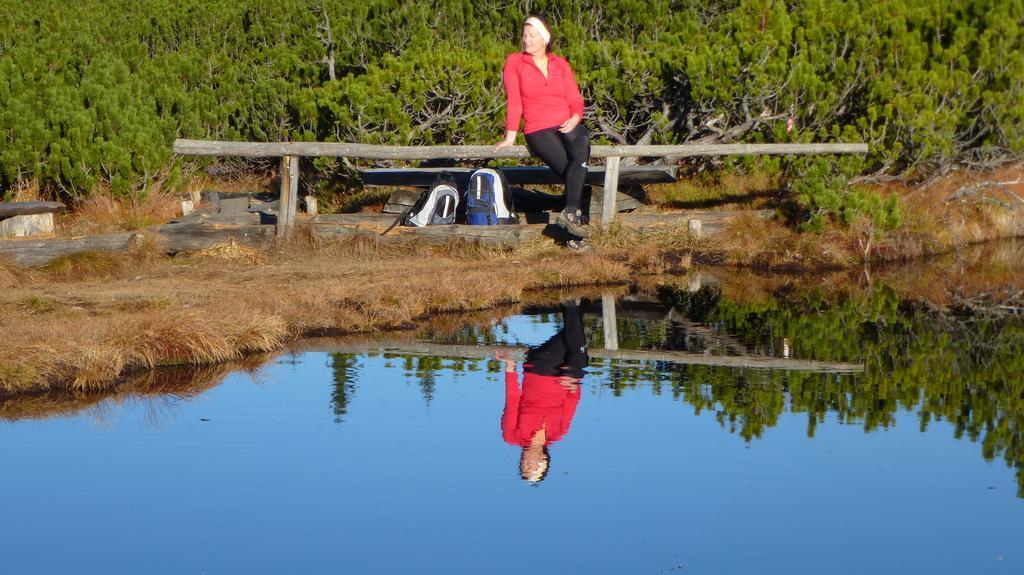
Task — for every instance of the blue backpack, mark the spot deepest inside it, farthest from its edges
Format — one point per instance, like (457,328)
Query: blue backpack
(489,199)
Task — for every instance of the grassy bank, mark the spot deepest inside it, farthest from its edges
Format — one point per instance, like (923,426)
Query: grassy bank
(938,216)
(89,320)
(980,283)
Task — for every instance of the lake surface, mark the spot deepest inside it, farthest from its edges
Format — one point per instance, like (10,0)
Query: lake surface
(390,457)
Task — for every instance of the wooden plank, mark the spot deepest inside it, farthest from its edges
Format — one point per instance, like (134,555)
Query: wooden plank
(611,188)
(711,221)
(30,208)
(518,353)
(375,152)
(289,195)
(521,176)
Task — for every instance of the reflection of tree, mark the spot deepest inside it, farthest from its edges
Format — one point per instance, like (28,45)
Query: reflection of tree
(343,367)
(968,371)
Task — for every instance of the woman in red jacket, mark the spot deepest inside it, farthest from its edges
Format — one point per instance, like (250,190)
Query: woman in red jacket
(541,412)
(541,90)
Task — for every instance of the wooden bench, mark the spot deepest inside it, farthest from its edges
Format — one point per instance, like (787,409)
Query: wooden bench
(291,152)
(23,219)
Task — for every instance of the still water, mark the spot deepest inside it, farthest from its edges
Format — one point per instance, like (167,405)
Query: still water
(873,436)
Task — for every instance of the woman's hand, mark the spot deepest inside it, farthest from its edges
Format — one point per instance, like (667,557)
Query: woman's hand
(571,384)
(510,366)
(570,124)
(510,139)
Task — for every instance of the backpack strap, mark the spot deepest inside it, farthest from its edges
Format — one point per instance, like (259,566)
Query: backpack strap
(402,218)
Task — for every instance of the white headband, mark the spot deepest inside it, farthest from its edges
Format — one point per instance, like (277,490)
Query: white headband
(541,29)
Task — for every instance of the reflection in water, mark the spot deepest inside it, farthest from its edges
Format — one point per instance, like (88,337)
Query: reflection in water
(343,369)
(541,412)
(950,363)
(157,391)
(952,357)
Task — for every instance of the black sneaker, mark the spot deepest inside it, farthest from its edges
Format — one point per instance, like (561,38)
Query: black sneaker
(573,223)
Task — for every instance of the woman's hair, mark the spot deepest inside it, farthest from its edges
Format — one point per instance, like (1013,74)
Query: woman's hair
(543,21)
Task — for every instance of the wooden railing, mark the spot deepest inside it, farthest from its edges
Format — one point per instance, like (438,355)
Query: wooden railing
(290,152)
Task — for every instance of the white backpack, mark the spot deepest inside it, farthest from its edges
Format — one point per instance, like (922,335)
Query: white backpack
(435,206)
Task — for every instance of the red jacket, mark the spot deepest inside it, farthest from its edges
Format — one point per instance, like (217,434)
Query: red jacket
(542,102)
(543,402)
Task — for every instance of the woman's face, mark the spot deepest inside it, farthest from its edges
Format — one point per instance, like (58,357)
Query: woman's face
(532,42)
(532,464)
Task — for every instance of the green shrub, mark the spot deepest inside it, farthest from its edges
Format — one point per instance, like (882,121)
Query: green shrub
(95,92)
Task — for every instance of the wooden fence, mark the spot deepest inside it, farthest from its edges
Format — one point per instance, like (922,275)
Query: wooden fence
(290,152)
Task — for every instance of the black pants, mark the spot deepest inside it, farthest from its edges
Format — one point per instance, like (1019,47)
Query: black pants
(567,155)
(566,352)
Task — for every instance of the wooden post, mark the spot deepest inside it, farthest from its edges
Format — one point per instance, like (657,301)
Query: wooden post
(695,228)
(311,208)
(611,188)
(611,328)
(289,195)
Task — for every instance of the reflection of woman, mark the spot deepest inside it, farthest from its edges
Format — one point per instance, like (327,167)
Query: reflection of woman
(540,88)
(542,411)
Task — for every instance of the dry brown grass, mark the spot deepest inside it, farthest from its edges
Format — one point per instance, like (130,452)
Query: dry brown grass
(233,251)
(244,180)
(85,329)
(667,249)
(84,266)
(26,191)
(931,223)
(11,276)
(751,240)
(725,191)
(102,211)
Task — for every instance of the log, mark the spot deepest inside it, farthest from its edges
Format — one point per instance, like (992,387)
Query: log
(178,238)
(33,253)
(418,347)
(711,221)
(375,152)
(519,176)
(503,236)
(371,225)
(30,208)
(25,226)
(172,238)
